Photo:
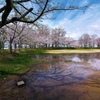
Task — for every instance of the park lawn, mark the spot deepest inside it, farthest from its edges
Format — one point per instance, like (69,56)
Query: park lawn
(72,51)
(19,63)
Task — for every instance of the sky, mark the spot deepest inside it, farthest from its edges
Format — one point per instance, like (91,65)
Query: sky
(78,22)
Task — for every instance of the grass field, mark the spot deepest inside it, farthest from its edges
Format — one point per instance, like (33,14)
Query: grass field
(73,51)
(17,63)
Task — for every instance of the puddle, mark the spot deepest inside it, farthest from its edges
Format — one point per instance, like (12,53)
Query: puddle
(76,59)
(63,77)
(95,64)
(62,81)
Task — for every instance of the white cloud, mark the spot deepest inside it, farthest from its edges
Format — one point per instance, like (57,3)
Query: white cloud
(85,23)
(89,22)
(84,2)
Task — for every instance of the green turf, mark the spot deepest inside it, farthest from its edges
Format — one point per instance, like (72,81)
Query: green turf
(17,63)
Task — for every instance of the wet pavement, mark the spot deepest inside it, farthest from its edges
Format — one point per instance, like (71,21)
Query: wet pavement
(63,77)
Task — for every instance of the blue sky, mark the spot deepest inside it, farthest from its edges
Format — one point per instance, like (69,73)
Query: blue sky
(78,22)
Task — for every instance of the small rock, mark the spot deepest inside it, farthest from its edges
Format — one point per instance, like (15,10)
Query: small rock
(20,83)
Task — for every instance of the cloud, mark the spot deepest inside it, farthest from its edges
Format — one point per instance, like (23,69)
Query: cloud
(77,23)
(88,22)
(84,2)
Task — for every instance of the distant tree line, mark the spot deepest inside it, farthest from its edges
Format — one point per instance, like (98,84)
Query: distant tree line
(19,35)
(89,41)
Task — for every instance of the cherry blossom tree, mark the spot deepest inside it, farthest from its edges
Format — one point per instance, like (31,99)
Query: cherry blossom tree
(69,42)
(3,38)
(93,40)
(58,36)
(98,42)
(31,37)
(84,40)
(44,33)
(13,33)
(87,40)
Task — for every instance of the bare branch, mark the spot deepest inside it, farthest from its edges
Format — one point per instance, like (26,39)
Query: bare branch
(21,1)
(26,9)
(2,9)
(17,19)
(25,13)
(8,9)
(16,10)
(41,10)
(69,8)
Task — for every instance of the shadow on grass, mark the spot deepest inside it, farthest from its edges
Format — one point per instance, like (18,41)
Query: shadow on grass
(4,74)
(33,51)
(8,73)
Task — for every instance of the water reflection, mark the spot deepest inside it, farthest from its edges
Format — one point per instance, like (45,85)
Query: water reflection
(79,57)
(54,77)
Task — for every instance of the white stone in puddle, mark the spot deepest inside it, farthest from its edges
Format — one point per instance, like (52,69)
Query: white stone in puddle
(20,83)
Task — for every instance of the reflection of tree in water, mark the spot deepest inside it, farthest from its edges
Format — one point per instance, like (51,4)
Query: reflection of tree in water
(56,72)
(97,56)
(83,57)
(87,57)
(57,61)
(53,78)
(54,57)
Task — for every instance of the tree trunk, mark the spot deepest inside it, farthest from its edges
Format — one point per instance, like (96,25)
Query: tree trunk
(11,51)
(15,47)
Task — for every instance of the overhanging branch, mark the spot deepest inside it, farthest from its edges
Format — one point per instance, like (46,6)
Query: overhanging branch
(8,8)
(2,9)
(21,1)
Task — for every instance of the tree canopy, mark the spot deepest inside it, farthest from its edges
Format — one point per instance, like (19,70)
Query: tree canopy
(29,11)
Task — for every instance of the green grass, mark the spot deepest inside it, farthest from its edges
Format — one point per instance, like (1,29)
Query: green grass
(17,64)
